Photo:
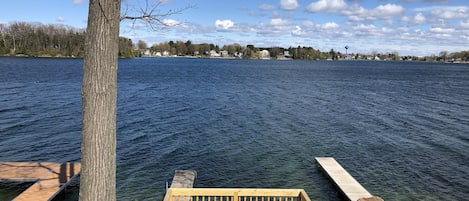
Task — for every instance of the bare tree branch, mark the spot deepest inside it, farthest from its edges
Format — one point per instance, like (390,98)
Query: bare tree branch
(151,15)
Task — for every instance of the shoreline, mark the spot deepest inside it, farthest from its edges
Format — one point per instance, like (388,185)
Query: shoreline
(235,58)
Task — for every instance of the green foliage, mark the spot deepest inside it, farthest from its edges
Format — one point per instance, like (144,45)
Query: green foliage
(36,39)
(307,53)
(126,48)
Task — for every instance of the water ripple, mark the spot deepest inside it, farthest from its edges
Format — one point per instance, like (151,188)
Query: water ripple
(398,128)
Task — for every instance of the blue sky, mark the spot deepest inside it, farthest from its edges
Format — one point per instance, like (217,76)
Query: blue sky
(410,27)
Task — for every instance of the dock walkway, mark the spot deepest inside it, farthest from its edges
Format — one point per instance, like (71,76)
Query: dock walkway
(352,190)
(183,179)
(50,178)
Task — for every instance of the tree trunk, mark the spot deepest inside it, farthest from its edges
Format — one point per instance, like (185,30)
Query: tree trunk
(99,93)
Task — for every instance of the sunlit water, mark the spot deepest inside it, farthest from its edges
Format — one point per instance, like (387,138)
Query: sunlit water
(401,129)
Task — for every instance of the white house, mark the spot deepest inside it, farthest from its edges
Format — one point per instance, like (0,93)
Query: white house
(238,54)
(224,53)
(147,53)
(265,54)
(214,53)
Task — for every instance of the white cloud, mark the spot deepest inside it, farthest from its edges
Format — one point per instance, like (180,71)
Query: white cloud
(289,4)
(446,12)
(403,29)
(388,10)
(329,25)
(170,22)
(464,24)
(441,30)
(278,22)
(326,6)
(298,31)
(419,18)
(429,1)
(451,14)
(276,27)
(466,37)
(374,27)
(60,19)
(381,12)
(308,24)
(266,7)
(363,30)
(386,30)
(363,27)
(354,10)
(78,2)
(224,24)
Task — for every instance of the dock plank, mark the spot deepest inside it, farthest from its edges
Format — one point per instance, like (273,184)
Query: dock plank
(50,178)
(184,179)
(342,179)
(25,171)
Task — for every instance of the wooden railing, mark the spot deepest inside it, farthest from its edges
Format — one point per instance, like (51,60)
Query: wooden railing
(235,194)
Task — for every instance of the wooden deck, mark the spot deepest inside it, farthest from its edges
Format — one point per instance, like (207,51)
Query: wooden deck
(352,190)
(183,179)
(50,178)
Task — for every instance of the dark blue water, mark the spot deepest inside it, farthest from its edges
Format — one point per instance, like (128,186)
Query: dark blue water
(401,129)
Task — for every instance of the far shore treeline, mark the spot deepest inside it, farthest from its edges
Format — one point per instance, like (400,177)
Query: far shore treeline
(52,40)
(56,40)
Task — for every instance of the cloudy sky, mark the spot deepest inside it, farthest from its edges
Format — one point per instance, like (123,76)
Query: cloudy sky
(410,27)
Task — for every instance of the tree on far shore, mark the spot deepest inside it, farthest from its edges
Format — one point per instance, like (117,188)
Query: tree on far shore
(43,40)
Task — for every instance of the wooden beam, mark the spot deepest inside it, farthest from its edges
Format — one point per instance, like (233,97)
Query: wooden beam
(350,187)
(235,194)
(238,191)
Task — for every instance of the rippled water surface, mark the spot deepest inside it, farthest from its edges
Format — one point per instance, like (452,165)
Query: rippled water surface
(401,129)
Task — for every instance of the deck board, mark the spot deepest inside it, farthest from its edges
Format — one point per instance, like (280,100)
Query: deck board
(50,178)
(183,179)
(342,179)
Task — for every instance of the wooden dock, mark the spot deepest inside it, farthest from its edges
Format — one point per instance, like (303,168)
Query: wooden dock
(50,178)
(183,179)
(352,190)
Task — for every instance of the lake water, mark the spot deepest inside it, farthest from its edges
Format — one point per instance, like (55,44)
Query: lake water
(400,128)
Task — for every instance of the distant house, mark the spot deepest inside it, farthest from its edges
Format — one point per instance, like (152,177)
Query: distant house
(224,53)
(162,54)
(265,54)
(238,54)
(214,53)
(146,53)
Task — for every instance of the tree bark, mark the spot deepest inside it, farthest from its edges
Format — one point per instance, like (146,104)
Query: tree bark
(99,94)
